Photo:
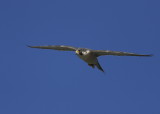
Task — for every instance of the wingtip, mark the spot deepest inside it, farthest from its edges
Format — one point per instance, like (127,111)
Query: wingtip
(150,55)
(29,46)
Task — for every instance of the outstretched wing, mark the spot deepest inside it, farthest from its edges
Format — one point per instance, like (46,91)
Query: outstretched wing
(56,47)
(117,53)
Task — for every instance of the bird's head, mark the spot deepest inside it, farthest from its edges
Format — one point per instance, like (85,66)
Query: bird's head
(82,51)
(79,52)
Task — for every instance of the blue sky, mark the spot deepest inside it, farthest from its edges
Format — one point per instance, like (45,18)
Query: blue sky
(34,81)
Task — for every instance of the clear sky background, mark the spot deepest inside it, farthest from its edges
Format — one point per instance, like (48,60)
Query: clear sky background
(35,81)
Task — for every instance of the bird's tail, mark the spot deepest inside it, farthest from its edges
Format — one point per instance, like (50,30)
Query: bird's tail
(99,66)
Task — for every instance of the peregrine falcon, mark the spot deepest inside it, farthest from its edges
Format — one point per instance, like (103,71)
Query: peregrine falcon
(88,55)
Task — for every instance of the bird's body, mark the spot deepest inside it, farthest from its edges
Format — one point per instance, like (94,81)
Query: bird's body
(88,55)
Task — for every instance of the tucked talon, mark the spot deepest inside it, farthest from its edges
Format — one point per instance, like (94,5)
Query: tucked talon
(92,65)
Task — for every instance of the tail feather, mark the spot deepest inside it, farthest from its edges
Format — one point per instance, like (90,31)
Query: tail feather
(99,66)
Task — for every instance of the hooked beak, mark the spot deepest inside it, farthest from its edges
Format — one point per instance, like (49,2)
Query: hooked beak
(77,51)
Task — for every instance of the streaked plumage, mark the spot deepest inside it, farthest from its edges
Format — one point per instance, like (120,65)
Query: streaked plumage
(88,55)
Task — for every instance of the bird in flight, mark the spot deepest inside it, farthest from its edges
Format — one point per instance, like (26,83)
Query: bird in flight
(88,55)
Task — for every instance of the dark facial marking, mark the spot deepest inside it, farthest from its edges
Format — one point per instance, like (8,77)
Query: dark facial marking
(80,53)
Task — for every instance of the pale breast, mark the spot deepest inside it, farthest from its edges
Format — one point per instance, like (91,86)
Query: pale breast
(89,58)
